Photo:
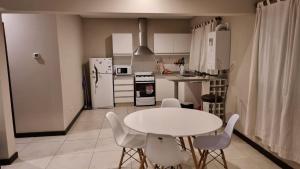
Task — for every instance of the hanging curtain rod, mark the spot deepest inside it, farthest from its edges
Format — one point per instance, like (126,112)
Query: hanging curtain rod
(218,19)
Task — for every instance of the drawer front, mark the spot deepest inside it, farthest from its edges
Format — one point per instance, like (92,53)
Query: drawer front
(123,81)
(123,88)
(124,100)
(124,94)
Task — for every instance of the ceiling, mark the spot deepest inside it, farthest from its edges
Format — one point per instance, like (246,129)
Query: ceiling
(132,8)
(136,15)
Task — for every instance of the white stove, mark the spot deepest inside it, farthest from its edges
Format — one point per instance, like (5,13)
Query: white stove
(144,89)
(144,77)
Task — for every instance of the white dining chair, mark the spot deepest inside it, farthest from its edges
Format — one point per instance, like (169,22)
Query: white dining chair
(131,143)
(212,143)
(163,151)
(172,102)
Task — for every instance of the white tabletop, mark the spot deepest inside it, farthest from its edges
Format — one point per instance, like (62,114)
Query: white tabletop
(173,121)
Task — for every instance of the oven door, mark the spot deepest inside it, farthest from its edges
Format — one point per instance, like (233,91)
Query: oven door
(144,93)
(144,89)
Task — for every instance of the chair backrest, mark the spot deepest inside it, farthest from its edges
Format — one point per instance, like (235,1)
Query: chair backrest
(230,124)
(170,102)
(118,129)
(163,150)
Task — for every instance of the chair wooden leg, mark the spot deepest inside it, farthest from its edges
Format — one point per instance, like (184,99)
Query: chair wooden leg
(141,157)
(180,166)
(142,162)
(224,160)
(122,157)
(204,159)
(144,156)
(200,152)
(182,143)
(192,151)
(201,158)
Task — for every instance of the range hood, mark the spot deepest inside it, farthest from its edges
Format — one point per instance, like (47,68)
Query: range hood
(142,48)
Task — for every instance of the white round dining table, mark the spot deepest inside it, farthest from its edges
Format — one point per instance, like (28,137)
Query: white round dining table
(176,122)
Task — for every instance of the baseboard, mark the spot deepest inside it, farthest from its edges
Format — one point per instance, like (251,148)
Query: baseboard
(9,160)
(50,133)
(74,119)
(263,151)
(40,134)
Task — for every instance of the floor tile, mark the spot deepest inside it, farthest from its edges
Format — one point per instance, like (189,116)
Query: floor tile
(107,144)
(39,150)
(107,160)
(90,145)
(86,126)
(49,139)
(77,146)
(24,140)
(71,161)
(83,135)
(92,115)
(21,146)
(37,163)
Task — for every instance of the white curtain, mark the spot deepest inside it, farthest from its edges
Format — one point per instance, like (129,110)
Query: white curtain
(198,52)
(273,109)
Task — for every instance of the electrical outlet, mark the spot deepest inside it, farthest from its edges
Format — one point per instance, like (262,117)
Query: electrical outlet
(36,55)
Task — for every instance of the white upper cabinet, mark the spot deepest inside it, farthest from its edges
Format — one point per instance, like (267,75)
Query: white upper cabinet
(218,52)
(163,43)
(172,43)
(122,44)
(182,43)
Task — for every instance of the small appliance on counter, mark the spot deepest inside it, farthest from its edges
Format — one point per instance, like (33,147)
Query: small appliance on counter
(122,70)
(144,89)
(101,81)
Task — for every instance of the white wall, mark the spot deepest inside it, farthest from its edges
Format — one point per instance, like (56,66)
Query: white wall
(47,92)
(69,31)
(7,140)
(242,28)
(97,38)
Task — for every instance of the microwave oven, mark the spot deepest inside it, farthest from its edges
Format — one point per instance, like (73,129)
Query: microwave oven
(122,69)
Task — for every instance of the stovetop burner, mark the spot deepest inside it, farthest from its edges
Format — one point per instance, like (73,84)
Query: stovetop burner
(144,76)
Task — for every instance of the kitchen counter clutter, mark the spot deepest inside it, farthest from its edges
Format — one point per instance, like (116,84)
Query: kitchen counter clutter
(181,78)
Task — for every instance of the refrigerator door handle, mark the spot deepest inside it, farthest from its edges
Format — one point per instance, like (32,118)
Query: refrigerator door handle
(96,71)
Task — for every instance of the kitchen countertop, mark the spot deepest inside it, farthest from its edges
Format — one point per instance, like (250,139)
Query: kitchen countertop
(179,78)
(123,77)
(176,77)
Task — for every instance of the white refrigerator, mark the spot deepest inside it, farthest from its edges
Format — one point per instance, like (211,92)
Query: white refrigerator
(101,79)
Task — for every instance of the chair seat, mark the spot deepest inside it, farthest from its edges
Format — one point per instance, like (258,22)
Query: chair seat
(212,142)
(211,98)
(133,141)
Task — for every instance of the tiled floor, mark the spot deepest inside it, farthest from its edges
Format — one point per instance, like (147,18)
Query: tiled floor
(90,145)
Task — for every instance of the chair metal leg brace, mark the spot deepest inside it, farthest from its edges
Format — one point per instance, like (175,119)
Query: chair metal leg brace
(131,155)
(203,163)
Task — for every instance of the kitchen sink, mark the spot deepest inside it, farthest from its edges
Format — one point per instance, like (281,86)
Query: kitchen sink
(188,75)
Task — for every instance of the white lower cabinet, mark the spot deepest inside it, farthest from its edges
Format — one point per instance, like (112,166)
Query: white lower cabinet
(123,90)
(124,99)
(187,92)
(164,89)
